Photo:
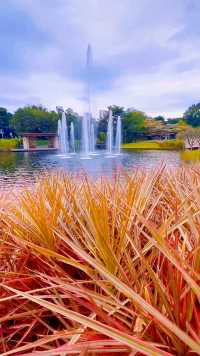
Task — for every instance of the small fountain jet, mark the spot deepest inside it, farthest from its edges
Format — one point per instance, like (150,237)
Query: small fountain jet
(72,138)
(118,137)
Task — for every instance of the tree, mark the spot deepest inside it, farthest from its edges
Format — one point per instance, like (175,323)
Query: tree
(5,120)
(160,118)
(182,125)
(133,125)
(191,136)
(192,115)
(34,119)
(72,116)
(117,110)
(174,121)
(153,124)
(103,123)
(101,137)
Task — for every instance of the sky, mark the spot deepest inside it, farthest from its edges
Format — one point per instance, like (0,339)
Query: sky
(145,54)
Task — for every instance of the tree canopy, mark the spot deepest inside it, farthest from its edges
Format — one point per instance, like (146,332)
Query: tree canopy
(191,136)
(174,121)
(192,115)
(159,118)
(34,119)
(72,116)
(133,125)
(5,118)
(117,110)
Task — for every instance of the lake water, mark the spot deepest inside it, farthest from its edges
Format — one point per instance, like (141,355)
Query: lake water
(20,168)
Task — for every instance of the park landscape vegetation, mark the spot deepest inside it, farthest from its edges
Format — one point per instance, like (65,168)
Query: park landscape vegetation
(138,130)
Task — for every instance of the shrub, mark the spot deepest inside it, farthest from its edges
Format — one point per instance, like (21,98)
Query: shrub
(102,266)
(189,155)
(171,144)
(8,144)
(156,145)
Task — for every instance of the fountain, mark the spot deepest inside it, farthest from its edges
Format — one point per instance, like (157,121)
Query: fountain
(88,139)
(63,135)
(92,148)
(88,75)
(72,138)
(59,133)
(110,134)
(118,137)
(86,135)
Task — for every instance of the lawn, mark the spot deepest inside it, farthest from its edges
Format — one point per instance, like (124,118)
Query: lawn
(42,142)
(155,145)
(108,266)
(8,144)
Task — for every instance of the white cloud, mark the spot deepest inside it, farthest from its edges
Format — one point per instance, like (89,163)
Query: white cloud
(155,94)
(142,45)
(47,89)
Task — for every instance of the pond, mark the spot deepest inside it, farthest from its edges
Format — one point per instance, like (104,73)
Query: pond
(21,168)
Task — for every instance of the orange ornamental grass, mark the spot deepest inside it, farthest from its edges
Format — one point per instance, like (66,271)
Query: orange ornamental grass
(108,266)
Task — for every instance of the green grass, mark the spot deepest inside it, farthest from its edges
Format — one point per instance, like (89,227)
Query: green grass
(8,144)
(42,142)
(155,145)
(142,145)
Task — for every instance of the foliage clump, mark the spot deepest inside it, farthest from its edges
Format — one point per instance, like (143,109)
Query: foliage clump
(34,119)
(106,266)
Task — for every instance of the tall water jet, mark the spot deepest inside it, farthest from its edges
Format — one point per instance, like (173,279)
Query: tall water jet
(63,134)
(92,138)
(72,137)
(89,76)
(118,137)
(87,131)
(110,133)
(59,133)
(85,134)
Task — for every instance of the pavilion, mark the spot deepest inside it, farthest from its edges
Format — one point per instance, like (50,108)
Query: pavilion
(30,140)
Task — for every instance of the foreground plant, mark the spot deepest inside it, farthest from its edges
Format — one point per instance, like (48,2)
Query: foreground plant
(107,266)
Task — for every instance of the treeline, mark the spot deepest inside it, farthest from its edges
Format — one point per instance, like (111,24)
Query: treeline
(135,124)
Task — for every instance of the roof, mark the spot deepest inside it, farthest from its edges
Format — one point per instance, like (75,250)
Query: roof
(38,134)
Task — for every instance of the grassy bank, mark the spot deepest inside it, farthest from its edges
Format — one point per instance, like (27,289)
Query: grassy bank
(108,266)
(155,145)
(191,155)
(8,144)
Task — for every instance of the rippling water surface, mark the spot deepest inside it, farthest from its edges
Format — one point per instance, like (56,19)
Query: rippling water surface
(21,168)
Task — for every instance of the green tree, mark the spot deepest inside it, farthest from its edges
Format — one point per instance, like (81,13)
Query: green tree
(101,137)
(174,121)
(103,123)
(34,119)
(5,118)
(192,115)
(117,110)
(72,116)
(133,125)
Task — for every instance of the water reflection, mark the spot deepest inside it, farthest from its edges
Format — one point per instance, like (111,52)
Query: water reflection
(19,168)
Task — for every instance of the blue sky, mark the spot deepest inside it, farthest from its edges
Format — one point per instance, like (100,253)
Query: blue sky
(146,53)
